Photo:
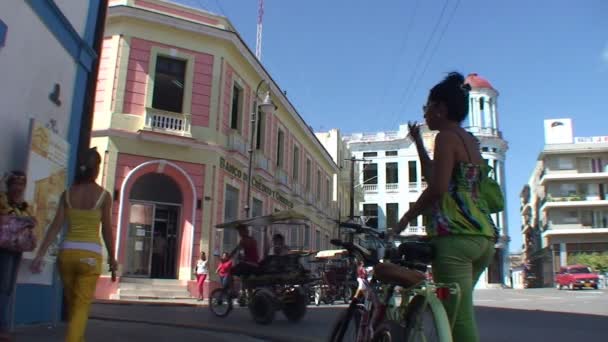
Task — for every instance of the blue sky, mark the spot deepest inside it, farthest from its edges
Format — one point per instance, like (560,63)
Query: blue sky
(363,68)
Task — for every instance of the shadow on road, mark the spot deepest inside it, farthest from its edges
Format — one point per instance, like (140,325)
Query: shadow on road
(506,325)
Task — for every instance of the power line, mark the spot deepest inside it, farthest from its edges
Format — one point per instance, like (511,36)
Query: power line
(402,50)
(426,47)
(436,47)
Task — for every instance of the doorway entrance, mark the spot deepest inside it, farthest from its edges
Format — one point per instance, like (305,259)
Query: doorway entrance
(154,228)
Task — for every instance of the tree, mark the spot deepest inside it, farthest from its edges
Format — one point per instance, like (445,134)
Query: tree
(597,261)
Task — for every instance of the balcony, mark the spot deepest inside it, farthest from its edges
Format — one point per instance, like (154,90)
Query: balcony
(572,201)
(261,162)
(392,187)
(237,143)
(484,131)
(370,187)
(572,175)
(167,122)
(296,189)
(310,198)
(281,177)
(415,230)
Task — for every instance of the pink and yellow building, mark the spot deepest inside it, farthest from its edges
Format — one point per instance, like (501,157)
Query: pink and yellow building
(173,111)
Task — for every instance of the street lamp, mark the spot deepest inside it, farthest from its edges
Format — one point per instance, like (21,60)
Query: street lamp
(266,107)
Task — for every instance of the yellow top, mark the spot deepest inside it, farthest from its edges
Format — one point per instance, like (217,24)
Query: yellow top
(83,223)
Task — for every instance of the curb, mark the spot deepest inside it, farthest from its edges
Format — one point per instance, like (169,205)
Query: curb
(146,303)
(233,330)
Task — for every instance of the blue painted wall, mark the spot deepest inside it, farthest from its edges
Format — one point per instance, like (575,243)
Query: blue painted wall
(37,303)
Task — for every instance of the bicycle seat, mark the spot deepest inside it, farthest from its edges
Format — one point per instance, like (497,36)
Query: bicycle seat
(398,275)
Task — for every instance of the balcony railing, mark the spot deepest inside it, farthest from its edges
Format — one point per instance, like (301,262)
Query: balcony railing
(415,230)
(296,188)
(484,131)
(392,187)
(311,199)
(237,143)
(281,176)
(167,122)
(413,186)
(370,187)
(261,162)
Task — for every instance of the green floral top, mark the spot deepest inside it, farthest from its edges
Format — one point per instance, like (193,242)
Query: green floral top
(457,212)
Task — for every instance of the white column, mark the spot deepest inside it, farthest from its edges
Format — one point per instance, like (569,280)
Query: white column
(473,112)
(563,254)
(494,113)
(487,114)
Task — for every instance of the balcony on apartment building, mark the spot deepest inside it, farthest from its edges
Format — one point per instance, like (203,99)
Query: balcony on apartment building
(157,120)
(574,200)
(572,175)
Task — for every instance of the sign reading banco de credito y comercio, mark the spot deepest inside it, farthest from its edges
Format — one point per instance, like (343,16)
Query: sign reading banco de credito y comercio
(256,182)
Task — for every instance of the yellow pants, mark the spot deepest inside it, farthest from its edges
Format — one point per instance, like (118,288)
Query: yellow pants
(79,272)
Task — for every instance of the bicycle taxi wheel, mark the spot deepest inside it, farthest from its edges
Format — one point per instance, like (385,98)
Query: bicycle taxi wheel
(220,302)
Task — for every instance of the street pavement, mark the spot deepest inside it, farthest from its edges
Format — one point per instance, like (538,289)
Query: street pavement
(502,315)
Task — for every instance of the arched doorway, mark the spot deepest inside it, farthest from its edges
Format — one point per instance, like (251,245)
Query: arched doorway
(154,229)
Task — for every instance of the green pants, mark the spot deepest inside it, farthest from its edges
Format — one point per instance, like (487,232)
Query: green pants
(462,259)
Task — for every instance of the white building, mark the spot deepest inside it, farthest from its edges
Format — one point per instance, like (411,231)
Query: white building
(392,180)
(568,199)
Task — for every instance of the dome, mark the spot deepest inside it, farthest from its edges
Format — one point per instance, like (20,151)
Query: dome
(476,81)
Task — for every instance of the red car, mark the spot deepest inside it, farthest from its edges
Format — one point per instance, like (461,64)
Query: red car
(576,277)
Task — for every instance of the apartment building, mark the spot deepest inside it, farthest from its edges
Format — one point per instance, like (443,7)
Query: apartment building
(565,203)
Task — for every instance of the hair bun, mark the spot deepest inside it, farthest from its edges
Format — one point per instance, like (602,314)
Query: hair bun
(455,78)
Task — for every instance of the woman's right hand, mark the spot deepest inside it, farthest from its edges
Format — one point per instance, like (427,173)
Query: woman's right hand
(36,265)
(413,130)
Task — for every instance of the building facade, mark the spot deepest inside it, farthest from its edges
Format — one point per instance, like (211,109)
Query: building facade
(391,175)
(337,147)
(174,117)
(47,55)
(567,201)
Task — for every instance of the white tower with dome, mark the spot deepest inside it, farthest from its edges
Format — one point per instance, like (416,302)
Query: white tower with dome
(483,123)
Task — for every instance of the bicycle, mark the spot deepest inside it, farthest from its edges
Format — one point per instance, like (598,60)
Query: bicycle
(379,317)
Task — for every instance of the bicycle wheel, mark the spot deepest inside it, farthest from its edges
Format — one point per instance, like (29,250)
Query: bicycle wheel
(346,327)
(220,302)
(422,324)
(389,331)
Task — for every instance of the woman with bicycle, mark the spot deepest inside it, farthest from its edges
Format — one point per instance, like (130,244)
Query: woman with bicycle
(461,231)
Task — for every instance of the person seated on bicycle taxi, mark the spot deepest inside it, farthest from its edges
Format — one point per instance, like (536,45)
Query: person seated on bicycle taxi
(362,282)
(249,264)
(224,270)
(278,246)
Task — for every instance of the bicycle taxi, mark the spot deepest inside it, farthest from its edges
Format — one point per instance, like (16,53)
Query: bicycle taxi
(337,279)
(279,282)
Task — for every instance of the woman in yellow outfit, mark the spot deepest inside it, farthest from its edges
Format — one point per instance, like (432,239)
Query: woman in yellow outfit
(83,206)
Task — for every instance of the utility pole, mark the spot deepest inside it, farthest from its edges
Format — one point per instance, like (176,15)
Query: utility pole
(352,160)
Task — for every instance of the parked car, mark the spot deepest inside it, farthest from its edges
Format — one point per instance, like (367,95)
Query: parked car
(576,277)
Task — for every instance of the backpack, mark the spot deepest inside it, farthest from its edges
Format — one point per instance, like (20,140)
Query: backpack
(490,192)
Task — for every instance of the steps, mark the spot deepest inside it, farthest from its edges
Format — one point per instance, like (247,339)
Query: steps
(139,288)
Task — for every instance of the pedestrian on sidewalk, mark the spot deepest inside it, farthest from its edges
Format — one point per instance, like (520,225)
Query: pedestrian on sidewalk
(11,203)
(201,274)
(461,229)
(82,206)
